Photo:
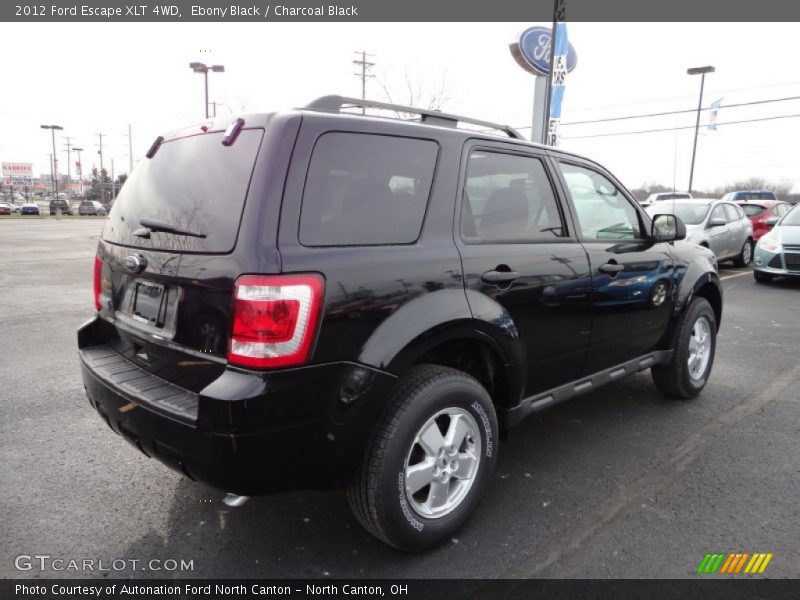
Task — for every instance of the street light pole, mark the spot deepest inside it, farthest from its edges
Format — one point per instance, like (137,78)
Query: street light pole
(702,72)
(199,67)
(52,129)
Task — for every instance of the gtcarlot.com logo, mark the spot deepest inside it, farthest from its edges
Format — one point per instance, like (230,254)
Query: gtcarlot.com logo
(734,563)
(46,562)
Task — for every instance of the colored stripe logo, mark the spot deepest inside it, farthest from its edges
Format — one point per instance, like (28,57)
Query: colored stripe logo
(734,563)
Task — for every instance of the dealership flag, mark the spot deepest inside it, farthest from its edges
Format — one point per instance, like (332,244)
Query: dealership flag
(712,118)
(558,72)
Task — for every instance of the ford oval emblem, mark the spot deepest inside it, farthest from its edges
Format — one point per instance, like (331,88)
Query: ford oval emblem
(534,50)
(135,263)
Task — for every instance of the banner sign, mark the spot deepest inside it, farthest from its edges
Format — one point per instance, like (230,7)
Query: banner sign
(17,169)
(559,78)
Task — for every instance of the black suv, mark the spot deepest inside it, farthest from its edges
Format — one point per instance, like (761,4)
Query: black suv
(65,207)
(320,299)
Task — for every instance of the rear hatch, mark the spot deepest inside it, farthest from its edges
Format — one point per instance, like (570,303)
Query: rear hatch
(165,269)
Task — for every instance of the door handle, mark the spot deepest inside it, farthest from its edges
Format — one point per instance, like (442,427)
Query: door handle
(499,276)
(611,268)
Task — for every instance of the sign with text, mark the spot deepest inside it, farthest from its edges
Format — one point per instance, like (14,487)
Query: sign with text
(13,169)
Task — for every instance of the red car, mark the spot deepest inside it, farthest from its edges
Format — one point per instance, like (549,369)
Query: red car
(5,209)
(761,211)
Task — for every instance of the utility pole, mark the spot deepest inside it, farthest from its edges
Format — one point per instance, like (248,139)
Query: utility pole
(100,175)
(113,182)
(52,129)
(702,72)
(364,75)
(80,170)
(68,144)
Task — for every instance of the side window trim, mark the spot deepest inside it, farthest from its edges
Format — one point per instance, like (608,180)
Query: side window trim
(564,210)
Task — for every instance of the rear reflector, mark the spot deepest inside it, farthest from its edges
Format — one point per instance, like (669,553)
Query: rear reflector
(274,319)
(98,274)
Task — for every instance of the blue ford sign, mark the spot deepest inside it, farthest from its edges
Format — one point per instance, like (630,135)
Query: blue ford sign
(533,51)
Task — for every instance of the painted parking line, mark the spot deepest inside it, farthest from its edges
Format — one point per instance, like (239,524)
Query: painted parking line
(735,275)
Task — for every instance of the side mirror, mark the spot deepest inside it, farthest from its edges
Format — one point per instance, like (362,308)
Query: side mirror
(717,222)
(667,228)
(772,221)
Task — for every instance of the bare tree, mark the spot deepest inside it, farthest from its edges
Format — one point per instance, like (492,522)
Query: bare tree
(429,93)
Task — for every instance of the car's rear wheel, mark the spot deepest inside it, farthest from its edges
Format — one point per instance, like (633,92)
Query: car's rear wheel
(762,277)
(430,459)
(693,348)
(746,255)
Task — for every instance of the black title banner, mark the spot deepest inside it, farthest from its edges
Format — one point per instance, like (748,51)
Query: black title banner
(414,589)
(396,10)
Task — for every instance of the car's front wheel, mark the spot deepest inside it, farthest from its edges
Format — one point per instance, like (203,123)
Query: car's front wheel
(430,459)
(693,347)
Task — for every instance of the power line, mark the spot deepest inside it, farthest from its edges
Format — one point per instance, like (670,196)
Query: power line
(664,99)
(678,112)
(364,75)
(773,118)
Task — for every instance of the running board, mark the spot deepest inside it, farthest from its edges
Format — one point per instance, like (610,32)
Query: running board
(544,400)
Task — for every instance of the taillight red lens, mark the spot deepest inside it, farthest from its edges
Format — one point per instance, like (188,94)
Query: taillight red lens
(274,319)
(98,277)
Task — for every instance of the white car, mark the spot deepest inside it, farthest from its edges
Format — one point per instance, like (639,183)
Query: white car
(662,196)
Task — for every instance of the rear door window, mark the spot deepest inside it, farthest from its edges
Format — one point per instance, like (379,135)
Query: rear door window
(732,213)
(508,198)
(194,183)
(366,189)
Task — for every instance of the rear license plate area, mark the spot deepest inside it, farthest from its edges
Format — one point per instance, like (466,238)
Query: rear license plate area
(153,304)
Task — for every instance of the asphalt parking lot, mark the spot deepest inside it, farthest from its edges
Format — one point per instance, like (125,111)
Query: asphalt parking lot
(618,483)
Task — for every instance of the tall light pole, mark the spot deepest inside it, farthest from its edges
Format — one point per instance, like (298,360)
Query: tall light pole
(199,67)
(80,169)
(53,129)
(702,72)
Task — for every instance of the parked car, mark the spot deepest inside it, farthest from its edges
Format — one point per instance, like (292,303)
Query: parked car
(778,251)
(662,196)
(341,331)
(66,209)
(29,209)
(743,196)
(764,214)
(16,208)
(91,207)
(5,209)
(721,226)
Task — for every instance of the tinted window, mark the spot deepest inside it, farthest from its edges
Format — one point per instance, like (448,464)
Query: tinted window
(364,189)
(194,183)
(508,198)
(603,211)
(751,210)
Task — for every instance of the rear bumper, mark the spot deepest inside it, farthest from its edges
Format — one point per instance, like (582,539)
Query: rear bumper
(247,432)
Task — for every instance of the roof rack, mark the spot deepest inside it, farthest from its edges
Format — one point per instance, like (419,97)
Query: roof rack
(431,117)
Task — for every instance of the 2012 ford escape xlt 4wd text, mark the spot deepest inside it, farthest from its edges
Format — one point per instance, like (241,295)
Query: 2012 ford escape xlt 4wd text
(317,299)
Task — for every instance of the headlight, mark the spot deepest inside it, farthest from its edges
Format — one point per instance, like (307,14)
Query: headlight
(769,245)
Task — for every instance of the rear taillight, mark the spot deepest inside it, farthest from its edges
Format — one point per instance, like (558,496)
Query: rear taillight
(102,284)
(274,319)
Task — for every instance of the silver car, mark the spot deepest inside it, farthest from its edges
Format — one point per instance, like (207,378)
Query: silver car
(778,252)
(721,226)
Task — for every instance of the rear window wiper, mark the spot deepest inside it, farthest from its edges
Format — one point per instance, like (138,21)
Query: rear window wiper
(149,226)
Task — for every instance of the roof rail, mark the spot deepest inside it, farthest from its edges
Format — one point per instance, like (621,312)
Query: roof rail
(431,117)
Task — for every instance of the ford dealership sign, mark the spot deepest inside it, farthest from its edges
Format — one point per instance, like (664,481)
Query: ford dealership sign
(532,52)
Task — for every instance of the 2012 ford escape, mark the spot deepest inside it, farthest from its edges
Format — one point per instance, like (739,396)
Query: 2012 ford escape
(321,299)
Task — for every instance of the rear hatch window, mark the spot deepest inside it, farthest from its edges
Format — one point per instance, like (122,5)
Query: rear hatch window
(193,183)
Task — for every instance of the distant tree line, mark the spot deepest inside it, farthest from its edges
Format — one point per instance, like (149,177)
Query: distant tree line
(100,187)
(781,189)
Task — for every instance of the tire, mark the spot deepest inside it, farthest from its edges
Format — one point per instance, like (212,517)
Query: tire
(745,257)
(762,277)
(676,379)
(379,495)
